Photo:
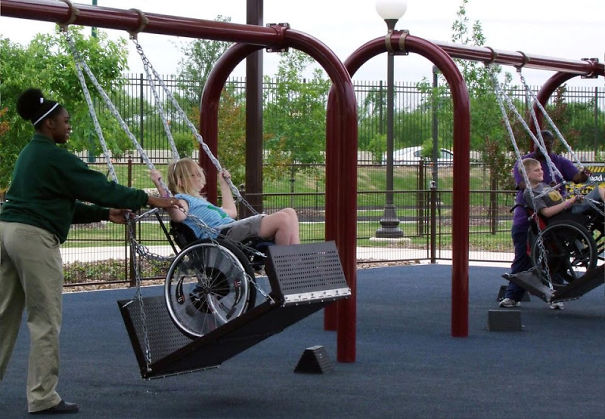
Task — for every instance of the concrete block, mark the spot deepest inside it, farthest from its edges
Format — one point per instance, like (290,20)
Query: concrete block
(504,320)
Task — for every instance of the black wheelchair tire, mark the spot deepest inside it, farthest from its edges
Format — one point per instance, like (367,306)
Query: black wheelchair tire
(226,275)
(569,246)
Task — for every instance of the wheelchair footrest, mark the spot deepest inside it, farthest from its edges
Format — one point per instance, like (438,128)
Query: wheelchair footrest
(590,280)
(530,281)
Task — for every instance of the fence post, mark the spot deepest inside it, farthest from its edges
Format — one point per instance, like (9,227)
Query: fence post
(131,260)
(493,202)
(420,198)
(433,221)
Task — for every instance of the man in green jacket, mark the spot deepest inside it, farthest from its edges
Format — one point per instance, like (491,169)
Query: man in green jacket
(50,189)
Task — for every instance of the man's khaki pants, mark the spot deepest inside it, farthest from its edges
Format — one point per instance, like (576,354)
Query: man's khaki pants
(31,276)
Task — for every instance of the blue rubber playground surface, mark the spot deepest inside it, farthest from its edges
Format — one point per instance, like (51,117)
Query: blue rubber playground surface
(408,365)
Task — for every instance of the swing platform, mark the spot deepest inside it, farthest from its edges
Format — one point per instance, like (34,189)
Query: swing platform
(303,279)
(587,282)
(530,281)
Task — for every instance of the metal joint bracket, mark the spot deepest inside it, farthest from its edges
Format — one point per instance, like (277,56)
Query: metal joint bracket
(400,50)
(494,56)
(593,74)
(280,28)
(143,21)
(403,35)
(73,15)
(526,60)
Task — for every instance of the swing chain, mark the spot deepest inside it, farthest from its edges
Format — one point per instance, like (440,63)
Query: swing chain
(91,110)
(535,101)
(138,296)
(543,258)
(148,66)
(158,102)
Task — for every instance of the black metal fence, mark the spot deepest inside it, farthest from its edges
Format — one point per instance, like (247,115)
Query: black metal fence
(100,252)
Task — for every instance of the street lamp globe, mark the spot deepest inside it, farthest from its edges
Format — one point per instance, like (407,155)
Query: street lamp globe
(391,9)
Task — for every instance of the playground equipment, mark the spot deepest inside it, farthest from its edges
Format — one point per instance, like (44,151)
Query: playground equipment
(210,282)
(565,249)
(341,127)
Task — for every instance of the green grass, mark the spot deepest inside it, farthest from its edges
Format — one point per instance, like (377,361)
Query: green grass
(150,233)
(309,200)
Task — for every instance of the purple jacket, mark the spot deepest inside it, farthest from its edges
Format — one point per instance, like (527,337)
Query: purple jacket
(565,166)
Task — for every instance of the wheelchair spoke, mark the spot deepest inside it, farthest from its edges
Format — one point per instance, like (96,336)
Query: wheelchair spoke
(206,286)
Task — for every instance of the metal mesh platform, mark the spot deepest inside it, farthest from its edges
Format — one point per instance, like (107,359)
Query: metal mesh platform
(587,282)
(295,296)
(531,282)
(306,272)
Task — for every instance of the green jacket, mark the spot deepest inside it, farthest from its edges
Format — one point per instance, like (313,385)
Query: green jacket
(50,185)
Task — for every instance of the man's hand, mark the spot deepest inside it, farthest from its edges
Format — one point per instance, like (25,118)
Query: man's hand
(119,216)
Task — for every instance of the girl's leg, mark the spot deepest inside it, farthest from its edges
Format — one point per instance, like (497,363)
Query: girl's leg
(282,226)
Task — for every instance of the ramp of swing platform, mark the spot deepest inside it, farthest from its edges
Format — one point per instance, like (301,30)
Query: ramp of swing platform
(303,279)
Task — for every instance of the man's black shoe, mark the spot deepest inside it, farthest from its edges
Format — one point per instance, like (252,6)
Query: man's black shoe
(62,407)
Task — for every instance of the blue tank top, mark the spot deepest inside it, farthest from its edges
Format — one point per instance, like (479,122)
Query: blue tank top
(210,214)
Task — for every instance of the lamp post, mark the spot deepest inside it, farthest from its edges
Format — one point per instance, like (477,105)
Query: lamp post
(390,11)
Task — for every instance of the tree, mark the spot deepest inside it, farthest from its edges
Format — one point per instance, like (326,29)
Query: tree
(295,110)
(488,134)
(200,56)
(45,63)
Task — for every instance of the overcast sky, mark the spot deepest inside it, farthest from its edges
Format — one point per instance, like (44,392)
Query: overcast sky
(553,28)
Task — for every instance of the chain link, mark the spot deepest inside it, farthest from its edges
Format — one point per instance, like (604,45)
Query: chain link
(543,257)
(149,67)
(91,109)
(139,296)
(535,101)
(158,102)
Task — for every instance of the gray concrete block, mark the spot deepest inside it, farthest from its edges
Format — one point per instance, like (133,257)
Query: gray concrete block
(504,320)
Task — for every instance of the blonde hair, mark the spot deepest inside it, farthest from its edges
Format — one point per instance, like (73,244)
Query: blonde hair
(528,163)
(180,176)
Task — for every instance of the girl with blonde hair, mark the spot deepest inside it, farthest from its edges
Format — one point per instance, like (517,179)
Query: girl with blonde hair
(186,180)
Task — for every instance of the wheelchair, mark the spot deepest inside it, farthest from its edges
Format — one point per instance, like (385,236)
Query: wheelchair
(566,246)
(210,281)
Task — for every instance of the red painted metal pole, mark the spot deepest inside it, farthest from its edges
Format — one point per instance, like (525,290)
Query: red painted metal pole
(209,107)
(129,20)
(431,51)
(587,67)
(342,181)
(345,176)
(340,201)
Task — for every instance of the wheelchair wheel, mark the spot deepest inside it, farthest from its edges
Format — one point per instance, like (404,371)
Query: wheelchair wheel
(207,285)
(568,250)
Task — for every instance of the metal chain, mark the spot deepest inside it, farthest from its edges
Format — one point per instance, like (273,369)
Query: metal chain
(509,129)
(91,110)
(520,118)
(139,296)
(158,102)
(192,128)
(550,121)
(115,112)
(534,118)
(544,257)
(80,63)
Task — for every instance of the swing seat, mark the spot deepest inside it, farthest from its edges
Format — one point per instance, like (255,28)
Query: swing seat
(303,279)
(565,257)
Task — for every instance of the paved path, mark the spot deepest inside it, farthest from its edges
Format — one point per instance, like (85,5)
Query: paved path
(366,254)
